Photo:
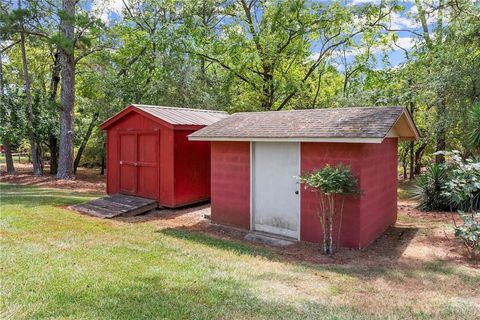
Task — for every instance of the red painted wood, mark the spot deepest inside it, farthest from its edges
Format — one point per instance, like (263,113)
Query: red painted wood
(317,155)
(147,165)
(378,206)
(192,169)
(365,217)
(230,171)
(128,171)
(173,175)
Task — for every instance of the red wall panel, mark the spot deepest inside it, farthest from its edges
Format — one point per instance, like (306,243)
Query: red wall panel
(367,216)
(230,177)
(183,166)
(136,122)
(378,208)
(192,169)
(166,176)
(315,155)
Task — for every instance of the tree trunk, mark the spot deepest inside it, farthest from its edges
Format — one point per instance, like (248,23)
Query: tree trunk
(53,146)
(67,62)
(55,77)
(53,139)
(418,157)
(8,156)
(412,143)
(102,168)
(34,146)
(317,91)
(412,160)
(85,141)
(441,131)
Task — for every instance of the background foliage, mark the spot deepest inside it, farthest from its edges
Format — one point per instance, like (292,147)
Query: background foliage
(252,55)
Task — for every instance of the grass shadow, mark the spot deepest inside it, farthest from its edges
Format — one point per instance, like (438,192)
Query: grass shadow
(216,243)
(32,196)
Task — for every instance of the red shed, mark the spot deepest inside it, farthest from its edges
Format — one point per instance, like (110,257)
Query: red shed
(256,159)
(149,155)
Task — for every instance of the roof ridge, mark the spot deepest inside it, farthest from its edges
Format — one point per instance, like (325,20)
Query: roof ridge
(320,109)
(177,108)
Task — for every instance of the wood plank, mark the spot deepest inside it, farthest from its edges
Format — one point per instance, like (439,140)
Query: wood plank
(116,205)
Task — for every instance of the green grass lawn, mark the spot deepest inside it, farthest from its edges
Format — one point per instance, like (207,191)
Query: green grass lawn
(16,158)
(59,264)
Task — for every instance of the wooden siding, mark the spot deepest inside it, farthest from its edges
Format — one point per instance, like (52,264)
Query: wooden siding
(231,183)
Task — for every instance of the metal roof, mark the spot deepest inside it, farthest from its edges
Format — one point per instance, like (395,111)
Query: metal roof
(172,115)
(302,125)
(183,116)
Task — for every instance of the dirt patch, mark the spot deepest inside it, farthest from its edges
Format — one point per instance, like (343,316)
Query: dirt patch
(87,180)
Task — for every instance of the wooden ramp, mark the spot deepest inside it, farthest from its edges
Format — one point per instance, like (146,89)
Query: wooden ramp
(116,205)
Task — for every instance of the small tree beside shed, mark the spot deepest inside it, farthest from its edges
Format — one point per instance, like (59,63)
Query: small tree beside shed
(332,184)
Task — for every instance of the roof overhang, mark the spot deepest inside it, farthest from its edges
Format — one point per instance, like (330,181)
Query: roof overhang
(404,128)
(290,139)
(133,109)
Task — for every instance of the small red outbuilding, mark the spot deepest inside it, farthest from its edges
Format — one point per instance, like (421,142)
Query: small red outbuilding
(256,159)
(149,155)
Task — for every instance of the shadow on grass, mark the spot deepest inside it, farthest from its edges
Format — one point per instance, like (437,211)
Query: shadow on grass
(406,189)
(226,245)
(393,242)
(32,196)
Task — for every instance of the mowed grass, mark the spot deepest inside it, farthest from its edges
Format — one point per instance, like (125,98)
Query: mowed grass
(59,264)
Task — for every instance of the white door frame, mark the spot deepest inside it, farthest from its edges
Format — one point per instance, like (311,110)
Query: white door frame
(299,187)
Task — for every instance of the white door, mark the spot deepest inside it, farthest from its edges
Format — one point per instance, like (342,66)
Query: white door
(275,187)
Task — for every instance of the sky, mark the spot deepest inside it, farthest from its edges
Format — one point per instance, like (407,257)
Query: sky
(110,11)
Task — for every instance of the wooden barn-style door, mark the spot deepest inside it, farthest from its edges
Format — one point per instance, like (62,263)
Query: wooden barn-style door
(139,170)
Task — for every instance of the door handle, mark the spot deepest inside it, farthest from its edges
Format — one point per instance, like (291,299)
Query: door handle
(296,192)
(121,162)
(135,164)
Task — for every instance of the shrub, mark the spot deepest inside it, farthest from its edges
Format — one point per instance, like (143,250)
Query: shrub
(429,189)
(474,135)
(469,231)
(454,185)
(332,185)
(463,185)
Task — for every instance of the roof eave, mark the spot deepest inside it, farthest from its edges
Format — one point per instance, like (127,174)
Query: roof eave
(411,125)
(289,139)
(132,108)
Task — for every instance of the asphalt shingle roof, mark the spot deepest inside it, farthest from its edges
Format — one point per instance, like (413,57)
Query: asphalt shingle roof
(183,116)
(357,122)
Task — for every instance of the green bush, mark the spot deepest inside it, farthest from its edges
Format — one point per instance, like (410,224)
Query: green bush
(429,189)
(332,185)
(454,185)
(469,231)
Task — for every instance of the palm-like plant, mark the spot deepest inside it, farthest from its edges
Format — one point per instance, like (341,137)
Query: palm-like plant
(474,135)
(429,191)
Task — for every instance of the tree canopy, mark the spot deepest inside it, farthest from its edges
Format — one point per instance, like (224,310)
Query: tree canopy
(65,69)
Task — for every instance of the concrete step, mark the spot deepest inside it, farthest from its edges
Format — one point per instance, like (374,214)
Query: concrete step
(270,239)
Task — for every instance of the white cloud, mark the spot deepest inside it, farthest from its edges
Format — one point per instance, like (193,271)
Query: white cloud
(406,42)
(360,2)
(103,8)
(402,21)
